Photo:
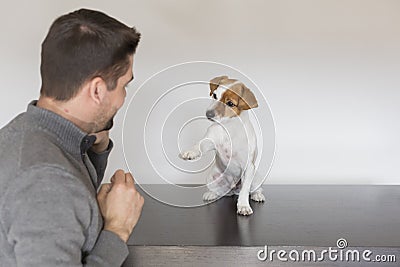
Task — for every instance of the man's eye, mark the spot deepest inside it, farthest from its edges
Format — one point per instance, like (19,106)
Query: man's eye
(215,96)
(230,104)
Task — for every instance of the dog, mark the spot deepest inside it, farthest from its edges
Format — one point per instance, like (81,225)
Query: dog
(233,138)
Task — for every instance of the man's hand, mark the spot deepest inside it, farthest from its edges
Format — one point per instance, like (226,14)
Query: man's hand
(120,204)
(102,141)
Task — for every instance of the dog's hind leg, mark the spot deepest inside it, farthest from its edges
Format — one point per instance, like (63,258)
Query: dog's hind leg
(256,191)
(210,196)
(217,185)
(258,195)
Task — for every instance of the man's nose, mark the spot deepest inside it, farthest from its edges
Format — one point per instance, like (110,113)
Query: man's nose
(210,114)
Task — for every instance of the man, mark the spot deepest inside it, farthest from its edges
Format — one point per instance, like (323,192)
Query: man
(53,156)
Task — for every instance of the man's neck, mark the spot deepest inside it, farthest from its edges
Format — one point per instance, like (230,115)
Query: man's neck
(68,111)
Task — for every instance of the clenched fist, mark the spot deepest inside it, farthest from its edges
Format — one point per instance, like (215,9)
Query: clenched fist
(120,204)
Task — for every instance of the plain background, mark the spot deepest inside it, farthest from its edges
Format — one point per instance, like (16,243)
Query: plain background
(329,70)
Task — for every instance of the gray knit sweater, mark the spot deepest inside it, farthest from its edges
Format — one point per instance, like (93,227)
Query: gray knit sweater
(48,210)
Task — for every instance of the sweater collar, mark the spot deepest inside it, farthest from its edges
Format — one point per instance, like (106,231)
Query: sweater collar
(69,136)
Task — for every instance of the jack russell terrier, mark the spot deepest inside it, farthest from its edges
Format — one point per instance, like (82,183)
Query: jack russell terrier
(233,138)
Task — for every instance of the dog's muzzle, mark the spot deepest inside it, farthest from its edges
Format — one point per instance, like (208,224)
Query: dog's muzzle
(210,114)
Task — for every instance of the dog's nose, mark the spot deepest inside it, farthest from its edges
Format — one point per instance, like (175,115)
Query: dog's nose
(210,114)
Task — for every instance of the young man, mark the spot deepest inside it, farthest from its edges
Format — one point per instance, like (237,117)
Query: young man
(53,156)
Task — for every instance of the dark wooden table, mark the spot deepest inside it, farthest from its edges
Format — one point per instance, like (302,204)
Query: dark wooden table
(301,217)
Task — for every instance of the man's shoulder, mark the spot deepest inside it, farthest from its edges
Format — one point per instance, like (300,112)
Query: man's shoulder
(12,127)
(39,147)
(24,145)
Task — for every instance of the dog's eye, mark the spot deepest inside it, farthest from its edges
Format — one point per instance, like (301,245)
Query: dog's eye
(215,95)
(230,103)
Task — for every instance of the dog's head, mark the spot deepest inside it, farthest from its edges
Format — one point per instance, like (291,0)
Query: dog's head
(232,98)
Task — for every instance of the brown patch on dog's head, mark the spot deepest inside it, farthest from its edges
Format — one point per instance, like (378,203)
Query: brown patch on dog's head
(247,99)
(229,104)
(217,81)
(236,99)
(214,83)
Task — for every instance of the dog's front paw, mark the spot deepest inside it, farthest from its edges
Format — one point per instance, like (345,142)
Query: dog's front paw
(244,210)
(209,196)
(190,154)
(258,197)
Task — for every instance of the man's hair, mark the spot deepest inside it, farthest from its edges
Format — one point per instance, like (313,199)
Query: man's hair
(83,45)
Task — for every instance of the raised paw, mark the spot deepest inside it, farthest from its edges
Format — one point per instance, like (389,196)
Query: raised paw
(190,155)
(244,210)
(209,196)
(258,197)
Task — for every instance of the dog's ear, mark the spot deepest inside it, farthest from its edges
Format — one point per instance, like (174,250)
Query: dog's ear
(214,83)
(247,100)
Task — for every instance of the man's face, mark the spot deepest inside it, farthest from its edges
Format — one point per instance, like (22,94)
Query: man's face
(114,101)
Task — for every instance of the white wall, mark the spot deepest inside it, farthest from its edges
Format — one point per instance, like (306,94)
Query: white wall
(329,70)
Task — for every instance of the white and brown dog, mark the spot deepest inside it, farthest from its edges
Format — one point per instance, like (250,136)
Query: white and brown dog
(233,138)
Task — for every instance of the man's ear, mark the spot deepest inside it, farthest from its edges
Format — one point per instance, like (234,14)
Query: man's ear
(214,83)
(247,100)
(97,89)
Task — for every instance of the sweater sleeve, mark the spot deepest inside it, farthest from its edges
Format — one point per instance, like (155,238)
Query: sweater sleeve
(48,216)
(99,161)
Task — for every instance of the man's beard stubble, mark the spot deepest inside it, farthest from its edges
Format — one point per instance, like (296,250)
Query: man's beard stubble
(105,122)
(109,125)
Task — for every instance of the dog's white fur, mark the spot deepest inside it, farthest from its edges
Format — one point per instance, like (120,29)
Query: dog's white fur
(235,143)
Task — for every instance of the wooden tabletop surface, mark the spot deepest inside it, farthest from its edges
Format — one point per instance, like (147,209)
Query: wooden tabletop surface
(293,215)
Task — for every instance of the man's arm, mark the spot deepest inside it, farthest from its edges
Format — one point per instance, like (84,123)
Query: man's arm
(120,204)
(47,215)
(99,161)
(99,152)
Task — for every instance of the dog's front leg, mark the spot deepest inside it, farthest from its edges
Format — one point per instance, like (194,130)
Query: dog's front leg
(203,146)
(243,206)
